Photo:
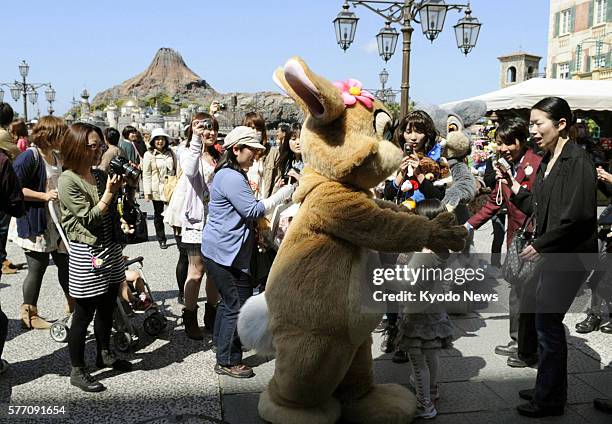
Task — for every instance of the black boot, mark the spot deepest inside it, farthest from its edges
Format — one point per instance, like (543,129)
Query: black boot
(162,244)
(591,323)
(84,381)
(192,329)
(210,313)
(107,359)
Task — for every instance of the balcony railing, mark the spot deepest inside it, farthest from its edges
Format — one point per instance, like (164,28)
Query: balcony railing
(538,75)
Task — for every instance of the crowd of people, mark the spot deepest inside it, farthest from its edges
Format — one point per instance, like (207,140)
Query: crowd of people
(62,185)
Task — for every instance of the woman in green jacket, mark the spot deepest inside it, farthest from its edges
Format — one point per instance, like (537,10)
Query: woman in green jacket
(96,268)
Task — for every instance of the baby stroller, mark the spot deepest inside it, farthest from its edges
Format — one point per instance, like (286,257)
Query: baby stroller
(126,335)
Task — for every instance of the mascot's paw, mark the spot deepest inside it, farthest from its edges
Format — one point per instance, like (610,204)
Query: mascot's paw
(384,404)
(253,325)
(327,413)
(445,234)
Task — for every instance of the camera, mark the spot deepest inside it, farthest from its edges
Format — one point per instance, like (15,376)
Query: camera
(504,165)
(407,148)
(221,106)
(121,166)
(206,124)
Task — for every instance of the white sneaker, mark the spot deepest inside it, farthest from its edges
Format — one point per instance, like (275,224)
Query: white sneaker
(434,393)
(3,366)
(426,411)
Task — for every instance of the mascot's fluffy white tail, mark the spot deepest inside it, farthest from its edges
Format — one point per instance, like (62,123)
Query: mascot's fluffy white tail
(253,325)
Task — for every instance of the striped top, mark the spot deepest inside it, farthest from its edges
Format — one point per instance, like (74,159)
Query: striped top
(93,268)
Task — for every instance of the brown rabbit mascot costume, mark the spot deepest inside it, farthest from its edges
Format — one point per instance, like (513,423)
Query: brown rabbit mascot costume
(321,337)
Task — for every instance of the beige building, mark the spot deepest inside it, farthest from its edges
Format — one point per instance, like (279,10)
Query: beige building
(580,39)
(518,67)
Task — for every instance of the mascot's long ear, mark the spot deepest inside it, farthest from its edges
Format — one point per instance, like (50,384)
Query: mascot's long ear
(279,79)
(315,95)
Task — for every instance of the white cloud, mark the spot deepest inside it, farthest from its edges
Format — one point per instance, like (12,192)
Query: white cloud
(371,46)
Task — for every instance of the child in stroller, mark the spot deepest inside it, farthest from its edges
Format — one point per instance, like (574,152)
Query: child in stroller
(136,295)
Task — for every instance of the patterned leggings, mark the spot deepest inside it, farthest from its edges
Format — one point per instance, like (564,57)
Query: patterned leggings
(424,363)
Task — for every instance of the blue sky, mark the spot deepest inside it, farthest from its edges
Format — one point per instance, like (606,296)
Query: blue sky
(235,45)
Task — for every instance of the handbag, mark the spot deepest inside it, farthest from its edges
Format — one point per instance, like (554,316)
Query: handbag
(261,263)
(171,180)
(170,185)
(515,269)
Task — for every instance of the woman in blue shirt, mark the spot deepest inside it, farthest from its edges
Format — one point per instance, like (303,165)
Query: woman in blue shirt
(228,241)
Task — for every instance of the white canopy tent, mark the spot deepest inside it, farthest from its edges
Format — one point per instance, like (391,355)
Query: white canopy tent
(581,95)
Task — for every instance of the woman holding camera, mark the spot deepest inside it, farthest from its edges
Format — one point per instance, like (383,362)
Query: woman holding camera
(417,136)
(228,241)
(89,218)
(514,147)
(38,170)
(198,160)
(563,203)
(158,163)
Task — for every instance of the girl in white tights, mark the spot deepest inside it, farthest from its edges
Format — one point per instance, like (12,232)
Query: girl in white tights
(424,330)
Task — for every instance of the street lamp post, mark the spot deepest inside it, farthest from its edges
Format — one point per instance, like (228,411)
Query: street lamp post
(431,14)
(25,89)
(383,77)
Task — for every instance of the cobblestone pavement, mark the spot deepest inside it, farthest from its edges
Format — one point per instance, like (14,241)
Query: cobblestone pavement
(174,381)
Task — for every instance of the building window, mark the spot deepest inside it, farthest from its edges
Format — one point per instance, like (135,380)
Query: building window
(598,61)
(563,71)
(511,76)
(599,12)
(564,23)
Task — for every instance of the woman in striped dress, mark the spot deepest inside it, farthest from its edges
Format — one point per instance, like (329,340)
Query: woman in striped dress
(96,269)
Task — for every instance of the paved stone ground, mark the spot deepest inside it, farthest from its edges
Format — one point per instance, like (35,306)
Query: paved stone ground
(174,381)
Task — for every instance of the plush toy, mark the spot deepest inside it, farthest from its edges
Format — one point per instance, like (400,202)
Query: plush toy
(312,304)
(462,190)
(452,124)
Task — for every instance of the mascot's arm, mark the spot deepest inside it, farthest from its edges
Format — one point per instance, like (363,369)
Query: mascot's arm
(356,218)
(384,204)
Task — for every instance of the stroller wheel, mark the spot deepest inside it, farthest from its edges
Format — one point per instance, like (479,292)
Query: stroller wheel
(59,331)
(122,341)
(154,324)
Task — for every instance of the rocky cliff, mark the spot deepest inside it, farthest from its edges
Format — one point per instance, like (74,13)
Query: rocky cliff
(169,74)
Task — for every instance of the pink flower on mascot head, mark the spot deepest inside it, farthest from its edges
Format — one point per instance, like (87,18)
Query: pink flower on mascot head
(351,92)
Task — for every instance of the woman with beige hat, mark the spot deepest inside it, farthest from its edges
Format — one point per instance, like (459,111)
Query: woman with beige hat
(228,240)
(158,163)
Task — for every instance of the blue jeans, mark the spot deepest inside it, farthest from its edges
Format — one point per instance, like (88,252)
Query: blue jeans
(235,288)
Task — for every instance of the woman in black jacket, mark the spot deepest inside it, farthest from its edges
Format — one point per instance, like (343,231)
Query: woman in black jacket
(564,205)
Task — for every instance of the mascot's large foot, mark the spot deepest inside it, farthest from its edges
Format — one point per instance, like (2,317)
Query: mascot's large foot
(384,404)
(327,413)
